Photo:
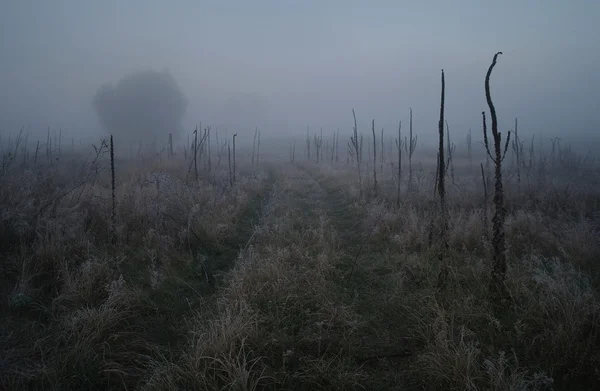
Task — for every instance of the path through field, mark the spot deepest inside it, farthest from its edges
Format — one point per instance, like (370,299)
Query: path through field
(290,280)
(313,213)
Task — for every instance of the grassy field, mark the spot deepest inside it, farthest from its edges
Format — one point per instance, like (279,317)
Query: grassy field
(294,278)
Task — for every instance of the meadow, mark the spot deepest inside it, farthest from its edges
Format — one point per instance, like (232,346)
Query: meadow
(295,276)
(371,263)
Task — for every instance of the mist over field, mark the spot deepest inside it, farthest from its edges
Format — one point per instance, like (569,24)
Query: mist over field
(284,65)
(299,195)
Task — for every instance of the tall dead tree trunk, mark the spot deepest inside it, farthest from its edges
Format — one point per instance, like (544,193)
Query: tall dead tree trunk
(382,152)
(208,150)
(196,153)
(307,143)
(113,214)
(444,269)
(399,146)
(229,159)
(332,156)
(234,136)
(337,143)
(254,144)
(497,286)
(357,146)
(257,149)
(374,160)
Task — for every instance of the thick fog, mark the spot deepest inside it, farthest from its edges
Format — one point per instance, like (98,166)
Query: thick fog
(283,65)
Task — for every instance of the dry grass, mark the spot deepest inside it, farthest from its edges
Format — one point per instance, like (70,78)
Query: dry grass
(549,336)
(80,313)
(290,281)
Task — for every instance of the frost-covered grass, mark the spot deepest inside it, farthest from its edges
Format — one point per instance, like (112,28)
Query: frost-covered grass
(290,280)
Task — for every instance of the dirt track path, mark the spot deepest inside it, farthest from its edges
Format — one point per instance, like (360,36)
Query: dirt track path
(365,275)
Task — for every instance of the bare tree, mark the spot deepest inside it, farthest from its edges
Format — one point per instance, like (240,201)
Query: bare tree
(113,214)
(357,148)
(234,136)
(155,106)
(410,147)
(208,149)
(197,146)
(337,143)
(399,147)
(196,152)
(532,153)
(382,152)
(254,144)
(497,286)
(257,150)
(307,143)
(318,141)
(374,160)
(229,159)
(444,269)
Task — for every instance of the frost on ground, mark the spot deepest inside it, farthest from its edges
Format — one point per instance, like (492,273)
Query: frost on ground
(291,278)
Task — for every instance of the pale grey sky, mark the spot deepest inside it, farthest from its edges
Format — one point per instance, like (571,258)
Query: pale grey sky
(307,62)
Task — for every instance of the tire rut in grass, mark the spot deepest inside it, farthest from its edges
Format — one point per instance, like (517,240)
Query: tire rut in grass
(245,226)
(338,206)
(221,257)
(193,285)
(366,277)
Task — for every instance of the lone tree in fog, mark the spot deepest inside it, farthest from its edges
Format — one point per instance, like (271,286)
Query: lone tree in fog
(143,106)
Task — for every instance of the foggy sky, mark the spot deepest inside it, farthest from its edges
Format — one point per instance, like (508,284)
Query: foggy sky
(281,65)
